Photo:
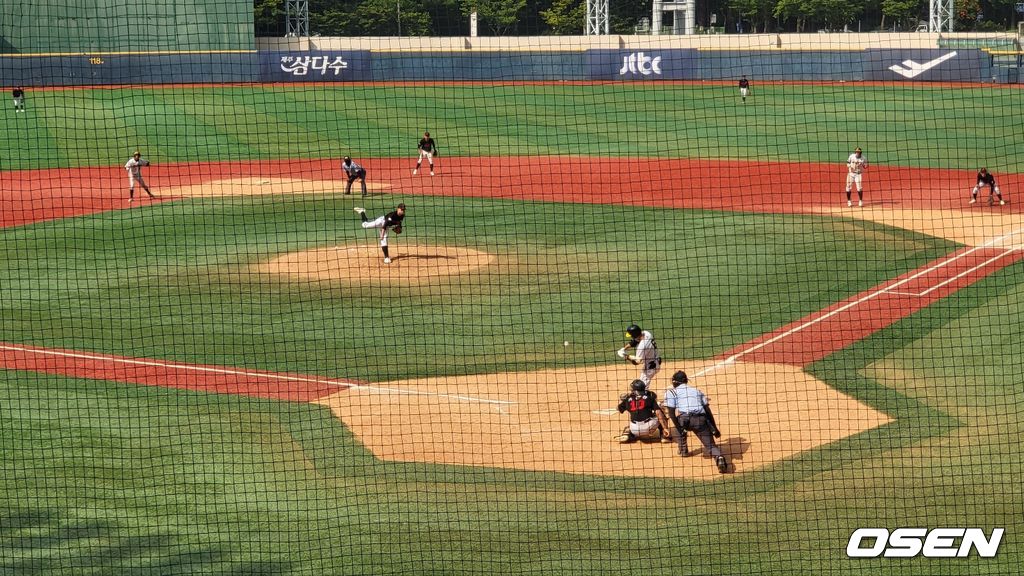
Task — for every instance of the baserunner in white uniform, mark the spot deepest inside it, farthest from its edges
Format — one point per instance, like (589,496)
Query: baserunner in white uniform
(855,166)
(646,355)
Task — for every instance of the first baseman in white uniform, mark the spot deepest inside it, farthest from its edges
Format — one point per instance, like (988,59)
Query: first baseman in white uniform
(134,168)
(646,355)
(389,221)
(855,166)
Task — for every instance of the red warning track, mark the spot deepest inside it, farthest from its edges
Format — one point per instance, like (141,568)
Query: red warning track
(39,195)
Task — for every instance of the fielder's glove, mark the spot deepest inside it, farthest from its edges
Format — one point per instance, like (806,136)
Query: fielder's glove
(398,229)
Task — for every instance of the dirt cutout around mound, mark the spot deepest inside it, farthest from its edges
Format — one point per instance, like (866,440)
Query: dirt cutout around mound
(364,264)
(257,186)
(767,412)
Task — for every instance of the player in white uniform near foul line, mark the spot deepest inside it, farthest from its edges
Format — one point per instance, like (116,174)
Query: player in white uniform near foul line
(134,167)
(646,355)
(389,221)
(855,166)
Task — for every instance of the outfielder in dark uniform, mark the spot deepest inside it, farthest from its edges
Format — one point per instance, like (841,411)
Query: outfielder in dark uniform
(646,420)
(744,88)
(19,99)
(985,178)
(694,415)
(427,148)
(353,171)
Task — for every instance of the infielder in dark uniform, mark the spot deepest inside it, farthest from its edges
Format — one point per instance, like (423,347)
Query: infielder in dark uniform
(353,171)
(646,420)
(744,88)
(985,178)
(694,415)
(427,148)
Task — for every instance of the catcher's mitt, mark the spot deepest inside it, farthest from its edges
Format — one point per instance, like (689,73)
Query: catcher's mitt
(397,229)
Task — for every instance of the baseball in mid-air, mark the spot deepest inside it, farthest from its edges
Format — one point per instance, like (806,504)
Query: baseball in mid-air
(566,343)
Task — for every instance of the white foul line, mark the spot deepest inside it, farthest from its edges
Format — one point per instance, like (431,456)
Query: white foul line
(229,371)
(732,359)
(966,272)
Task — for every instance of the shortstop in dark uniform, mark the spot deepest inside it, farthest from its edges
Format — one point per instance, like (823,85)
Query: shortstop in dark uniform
(353,171)
(645,416)
(694,415)
(427,148)
(985,178)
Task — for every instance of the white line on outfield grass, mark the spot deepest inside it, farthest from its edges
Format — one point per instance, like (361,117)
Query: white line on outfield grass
(233,372)
(871,295)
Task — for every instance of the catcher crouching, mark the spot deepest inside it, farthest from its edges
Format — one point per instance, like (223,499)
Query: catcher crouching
(647,421)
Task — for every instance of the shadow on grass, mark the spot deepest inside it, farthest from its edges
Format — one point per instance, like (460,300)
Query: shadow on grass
(37,541)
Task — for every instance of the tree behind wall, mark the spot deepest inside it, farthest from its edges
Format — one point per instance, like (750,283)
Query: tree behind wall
(499,17)
(566,17)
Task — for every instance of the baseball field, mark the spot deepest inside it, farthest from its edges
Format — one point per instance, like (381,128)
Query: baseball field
(227,379)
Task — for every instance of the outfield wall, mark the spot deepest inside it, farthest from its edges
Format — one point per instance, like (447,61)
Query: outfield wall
(611,64)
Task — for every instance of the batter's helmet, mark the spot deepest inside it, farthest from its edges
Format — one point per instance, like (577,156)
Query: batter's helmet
(680,378)
(638,386)
(634,332)
(346,159)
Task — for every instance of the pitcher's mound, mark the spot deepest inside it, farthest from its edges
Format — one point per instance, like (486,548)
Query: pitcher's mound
(410,264)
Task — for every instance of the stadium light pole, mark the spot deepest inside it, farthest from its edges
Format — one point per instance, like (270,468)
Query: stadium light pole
(296,14)
(597,17)
(940,15)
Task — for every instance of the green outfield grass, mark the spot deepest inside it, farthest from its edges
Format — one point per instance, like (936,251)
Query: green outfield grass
(917,125)
(176,281)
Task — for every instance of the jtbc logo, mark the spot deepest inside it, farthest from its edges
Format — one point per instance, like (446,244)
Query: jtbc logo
(637,62)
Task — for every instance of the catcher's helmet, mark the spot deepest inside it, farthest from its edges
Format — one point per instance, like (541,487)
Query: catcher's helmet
(680,378)
(634,332)
(638,386)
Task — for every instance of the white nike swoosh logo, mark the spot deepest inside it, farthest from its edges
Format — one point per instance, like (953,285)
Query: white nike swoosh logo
(911,69)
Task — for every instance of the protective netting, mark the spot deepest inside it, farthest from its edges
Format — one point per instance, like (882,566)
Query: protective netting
(375,301)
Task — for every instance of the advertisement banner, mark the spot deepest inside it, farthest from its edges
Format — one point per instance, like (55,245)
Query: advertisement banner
(343,66)
(927,65)
(646,64)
